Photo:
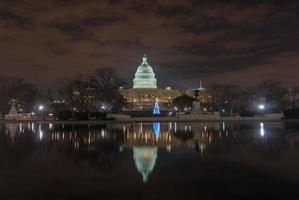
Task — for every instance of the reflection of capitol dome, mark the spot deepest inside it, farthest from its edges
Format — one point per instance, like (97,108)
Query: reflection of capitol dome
(145,160)
(144,76)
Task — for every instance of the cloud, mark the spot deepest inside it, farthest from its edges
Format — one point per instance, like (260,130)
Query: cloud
(12,19)
(183,39)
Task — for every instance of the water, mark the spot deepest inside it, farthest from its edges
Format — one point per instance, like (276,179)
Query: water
(150,161)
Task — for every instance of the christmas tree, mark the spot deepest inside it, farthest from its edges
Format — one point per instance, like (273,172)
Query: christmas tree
(156,110)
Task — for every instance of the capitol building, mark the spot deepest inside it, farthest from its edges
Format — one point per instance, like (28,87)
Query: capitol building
(145,91)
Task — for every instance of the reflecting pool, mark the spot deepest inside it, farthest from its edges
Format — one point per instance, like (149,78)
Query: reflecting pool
(254,160)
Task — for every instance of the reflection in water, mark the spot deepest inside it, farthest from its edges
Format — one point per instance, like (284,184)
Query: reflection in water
(145,149)
(40,131)
(262,131)
(102,146)
(156,126)
(145,156)
(145,160)
(12,130)
(200,147)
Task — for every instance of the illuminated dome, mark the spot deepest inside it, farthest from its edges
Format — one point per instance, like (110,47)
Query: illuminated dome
(145,160)
(144,76)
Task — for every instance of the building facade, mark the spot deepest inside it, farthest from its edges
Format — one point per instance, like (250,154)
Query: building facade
(145,91)
(206,97)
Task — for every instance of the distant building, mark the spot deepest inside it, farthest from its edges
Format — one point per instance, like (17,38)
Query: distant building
(205,96)
(145,91)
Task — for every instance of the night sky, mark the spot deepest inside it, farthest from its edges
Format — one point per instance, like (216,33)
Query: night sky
(238,42)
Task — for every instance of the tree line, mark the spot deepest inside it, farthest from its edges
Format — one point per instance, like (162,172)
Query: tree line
(100,91)
(75,94)
(265,96)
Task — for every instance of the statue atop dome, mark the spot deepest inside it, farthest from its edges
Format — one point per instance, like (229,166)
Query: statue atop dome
(144,60)
(145,76)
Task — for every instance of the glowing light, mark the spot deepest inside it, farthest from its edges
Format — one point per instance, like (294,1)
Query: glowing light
(41,134)
(262,131)
(41,107)
(103,133)
(261,106)
(20,127)
(168,148)
(170,126)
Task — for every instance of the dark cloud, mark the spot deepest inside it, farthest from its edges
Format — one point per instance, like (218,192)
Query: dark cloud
(40,67)
(185,39)
(75,30)
(7,17)
(58,51)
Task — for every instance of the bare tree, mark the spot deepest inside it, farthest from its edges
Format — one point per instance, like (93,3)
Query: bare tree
(227,96)
(106,83)
(76,93)
(293,96)
(66,92)
(269,92)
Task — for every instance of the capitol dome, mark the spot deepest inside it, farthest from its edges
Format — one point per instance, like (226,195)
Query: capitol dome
(145,76)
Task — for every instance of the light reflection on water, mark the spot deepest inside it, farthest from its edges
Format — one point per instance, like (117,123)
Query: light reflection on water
(104,146)
(157,134)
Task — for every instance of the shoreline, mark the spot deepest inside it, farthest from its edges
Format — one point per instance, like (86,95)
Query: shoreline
(149,119)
